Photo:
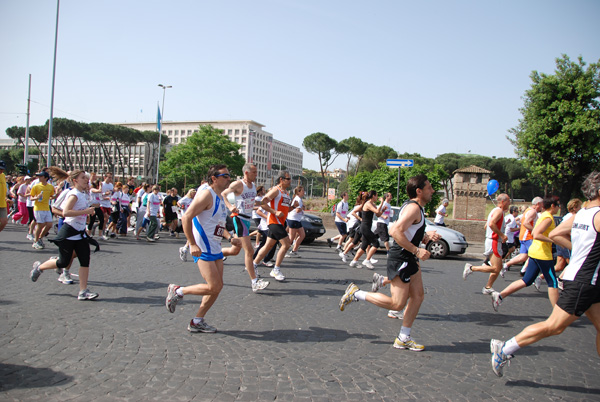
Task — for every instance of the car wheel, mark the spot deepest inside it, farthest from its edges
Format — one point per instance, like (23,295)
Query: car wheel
(438,249)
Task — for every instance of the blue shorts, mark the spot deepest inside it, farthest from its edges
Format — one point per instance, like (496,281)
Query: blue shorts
(525,244)
(546,267)
(563,252)
(342,228)
(209,257)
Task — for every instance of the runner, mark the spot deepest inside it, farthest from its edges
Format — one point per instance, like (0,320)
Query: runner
(383,222)
(42,193)
(525,237)
(107,190)
(204,227)
(354,234)
(170,212)
(142,202)
(341,218)
(540,257)
(563,254)
(244,191)
(494,237)
(71,237)
(369,240)
(153,207)
(3,197)
(277,203)
(403,263)
(23,214)
(184,204)
(511,226)
(581,294)
(294,222)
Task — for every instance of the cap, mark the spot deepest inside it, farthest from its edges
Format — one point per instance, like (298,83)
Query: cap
(2,165)
(44,174)
(27,177)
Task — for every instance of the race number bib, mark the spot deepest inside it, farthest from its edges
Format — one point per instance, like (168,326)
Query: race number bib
(286,201)
(219,229)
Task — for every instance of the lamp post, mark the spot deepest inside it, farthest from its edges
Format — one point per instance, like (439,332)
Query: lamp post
(162,116)
(49,159)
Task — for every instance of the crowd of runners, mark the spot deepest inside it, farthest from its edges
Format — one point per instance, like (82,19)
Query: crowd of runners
(89,208)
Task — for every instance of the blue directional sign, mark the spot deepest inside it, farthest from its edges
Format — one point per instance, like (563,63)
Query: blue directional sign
(398,163)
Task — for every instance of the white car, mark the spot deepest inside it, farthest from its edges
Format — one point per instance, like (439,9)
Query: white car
(452,241)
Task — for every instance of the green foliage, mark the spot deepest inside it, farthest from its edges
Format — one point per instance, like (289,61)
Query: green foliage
(385,179)
(189,162)
(326,149)
(559,132)
(374,155)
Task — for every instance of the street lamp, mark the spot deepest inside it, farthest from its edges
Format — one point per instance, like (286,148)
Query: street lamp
(162,116)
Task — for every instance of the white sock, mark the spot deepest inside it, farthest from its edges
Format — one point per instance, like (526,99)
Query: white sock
(404,333)
(254,280)
(198,320)
(179,292)
(360,294)
(510,346)
(276,268)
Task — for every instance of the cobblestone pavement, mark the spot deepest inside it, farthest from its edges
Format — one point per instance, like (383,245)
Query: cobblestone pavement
(290,342)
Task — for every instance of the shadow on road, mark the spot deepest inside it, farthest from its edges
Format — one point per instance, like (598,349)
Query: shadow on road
(313,334)
(569,388)
(16,376)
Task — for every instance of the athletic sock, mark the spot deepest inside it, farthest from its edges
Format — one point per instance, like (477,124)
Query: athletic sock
(179,292)
(510,346)
(404,334)
(254,280)
(360,295)
(198,320)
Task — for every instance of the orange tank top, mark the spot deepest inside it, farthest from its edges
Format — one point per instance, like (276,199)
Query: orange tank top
(524,233)
(282,203)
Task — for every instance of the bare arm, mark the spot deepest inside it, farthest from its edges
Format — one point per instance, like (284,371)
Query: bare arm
(540,228)
(410,216)
(236,188)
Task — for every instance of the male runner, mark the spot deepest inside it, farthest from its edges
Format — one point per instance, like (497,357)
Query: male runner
(581,292)
(494,237)
(241,213)
(403,263)
(525,234)
(277,203)
(204,227)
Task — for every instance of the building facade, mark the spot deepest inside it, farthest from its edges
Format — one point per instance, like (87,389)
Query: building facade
(257,145)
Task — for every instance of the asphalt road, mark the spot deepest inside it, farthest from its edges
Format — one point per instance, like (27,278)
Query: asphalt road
(290,342)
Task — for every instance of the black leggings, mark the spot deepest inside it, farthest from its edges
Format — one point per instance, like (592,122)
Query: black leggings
(98,213)
(65,253)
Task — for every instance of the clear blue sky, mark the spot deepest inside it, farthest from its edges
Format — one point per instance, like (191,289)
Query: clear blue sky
(421,76)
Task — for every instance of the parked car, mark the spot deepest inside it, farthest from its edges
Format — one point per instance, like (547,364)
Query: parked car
(313,227)
(452,241)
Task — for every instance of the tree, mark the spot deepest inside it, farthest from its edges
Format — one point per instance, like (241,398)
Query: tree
(353,147)
(559,132)
(374,155)
(325,148)
(189,162)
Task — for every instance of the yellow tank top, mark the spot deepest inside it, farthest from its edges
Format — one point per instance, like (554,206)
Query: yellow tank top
(541,250)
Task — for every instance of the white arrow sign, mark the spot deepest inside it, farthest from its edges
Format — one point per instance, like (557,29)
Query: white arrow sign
(400,162)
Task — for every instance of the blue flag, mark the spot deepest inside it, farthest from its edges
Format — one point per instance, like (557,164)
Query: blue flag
(158,119)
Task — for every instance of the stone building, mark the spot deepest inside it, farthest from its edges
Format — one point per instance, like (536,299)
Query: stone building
(470,192)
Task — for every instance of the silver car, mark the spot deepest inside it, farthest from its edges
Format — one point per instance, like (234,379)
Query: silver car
(452,241)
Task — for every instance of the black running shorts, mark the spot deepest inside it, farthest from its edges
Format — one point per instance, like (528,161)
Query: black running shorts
(402,269)
(577,297)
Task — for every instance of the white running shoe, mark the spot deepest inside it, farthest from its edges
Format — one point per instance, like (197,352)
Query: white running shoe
(487,291)
(367,263)
(538,282)
(467,271)
(503,270)
(499,359)
(268,264)
(354,263)
(276,273)
(496,300)
(65,278)
(259,285)
(374,261)
(377,282)
(29,237)
(183,254)
(396,314)
(343,256)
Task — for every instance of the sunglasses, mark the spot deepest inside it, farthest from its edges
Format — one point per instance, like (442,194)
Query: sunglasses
(226,175)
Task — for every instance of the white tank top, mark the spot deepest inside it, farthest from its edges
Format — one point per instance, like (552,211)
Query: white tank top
(208,226)
(245,201)
(294,215)
(77,222)
(585,257)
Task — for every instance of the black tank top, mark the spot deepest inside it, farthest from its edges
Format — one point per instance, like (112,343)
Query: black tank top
(399,253)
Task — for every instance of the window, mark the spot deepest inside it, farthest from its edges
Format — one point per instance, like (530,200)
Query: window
(243,131)
(170,132)
(237,132)
(176,132)
(229,132)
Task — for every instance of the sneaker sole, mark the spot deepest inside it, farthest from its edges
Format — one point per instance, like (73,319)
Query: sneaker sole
(408,348)
(196,331)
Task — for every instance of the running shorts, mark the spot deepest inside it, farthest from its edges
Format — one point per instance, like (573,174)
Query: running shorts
(277,231)
(342,228)
(493,246)
(241,226)
(42,216)
(525,244)
(294,224)
(577,297)
(402,269)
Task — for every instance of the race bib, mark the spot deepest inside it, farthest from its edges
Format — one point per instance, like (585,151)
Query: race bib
(219,229)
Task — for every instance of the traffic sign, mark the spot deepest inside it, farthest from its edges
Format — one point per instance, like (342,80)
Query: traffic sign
(398,163)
